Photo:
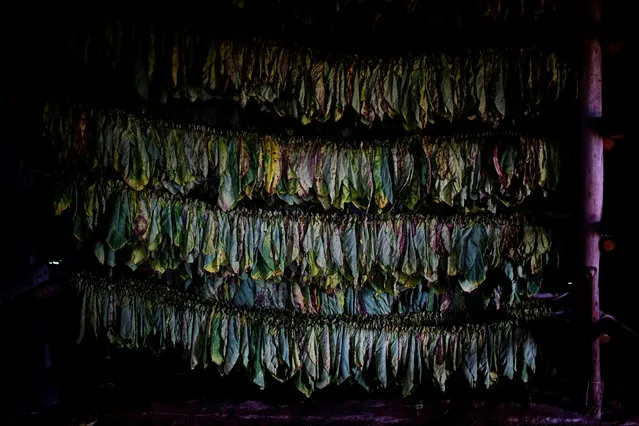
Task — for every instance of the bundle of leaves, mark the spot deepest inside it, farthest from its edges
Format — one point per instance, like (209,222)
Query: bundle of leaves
(505,299)
(417,90)
(165,231)
(311,350)
(417,171)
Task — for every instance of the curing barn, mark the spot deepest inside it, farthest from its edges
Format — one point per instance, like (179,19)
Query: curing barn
(317,212)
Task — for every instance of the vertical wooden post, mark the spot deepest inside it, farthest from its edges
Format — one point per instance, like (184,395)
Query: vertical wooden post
(592,191)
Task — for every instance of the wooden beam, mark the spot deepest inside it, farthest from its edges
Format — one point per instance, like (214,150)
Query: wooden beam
(592,189)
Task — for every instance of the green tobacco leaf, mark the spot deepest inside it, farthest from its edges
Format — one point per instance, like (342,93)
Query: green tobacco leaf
(62,198)
(245,344)
(409,373)
(266,264)
(98,250)
(209,72)
(249,170)
(310,359)
(330,171)
(386,176)
(229,189)
(349,244)
(381,199)
(179,233)
(344,356)
(167,219)
(90,202)
(138,255)
(155,227)
(139,167)
(470,263)
(80,227)
(446,89)
(193,230)
(480,86)
(272,165)
(421,246)
(470,359)
(120,229)
(269,354)
(232,345)
(500,89)
(210,235)
(506,352)
(381,354)
(336,249)
(215,339)
(324,353)
(437,351)
(256,355)
(110,257)
(196,341)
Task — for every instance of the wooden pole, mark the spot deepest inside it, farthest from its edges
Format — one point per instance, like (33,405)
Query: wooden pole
(592,191)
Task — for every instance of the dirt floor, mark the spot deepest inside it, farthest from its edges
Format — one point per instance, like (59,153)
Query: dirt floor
(349,412)
(356,412)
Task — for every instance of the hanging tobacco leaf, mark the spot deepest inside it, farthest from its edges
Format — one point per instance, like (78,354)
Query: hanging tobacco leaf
(329,251)
(309,85)
(314,349)
(453,169)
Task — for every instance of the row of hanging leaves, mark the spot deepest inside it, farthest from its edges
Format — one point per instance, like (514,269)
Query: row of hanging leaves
(313,351)
(417,90)
(165,231)
(243,291)
(461,171)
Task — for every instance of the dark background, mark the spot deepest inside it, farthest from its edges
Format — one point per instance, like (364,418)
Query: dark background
(36,69)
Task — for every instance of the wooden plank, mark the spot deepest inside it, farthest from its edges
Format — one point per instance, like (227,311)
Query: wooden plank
(592,190)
